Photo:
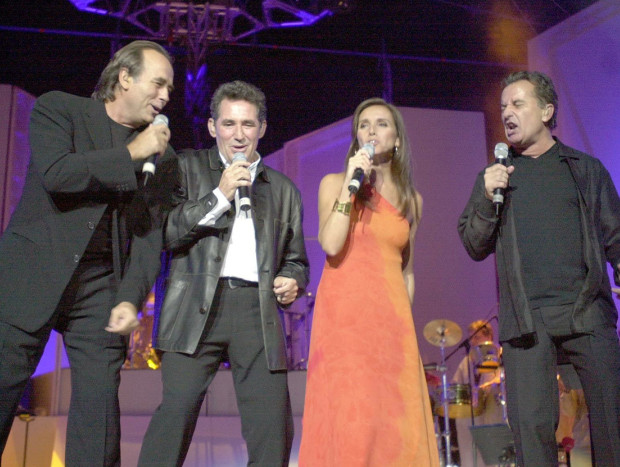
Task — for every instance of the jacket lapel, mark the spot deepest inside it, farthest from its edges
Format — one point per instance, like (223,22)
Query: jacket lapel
(261,201)
(98,124)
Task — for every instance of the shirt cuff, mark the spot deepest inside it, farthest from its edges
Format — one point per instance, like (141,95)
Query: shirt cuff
(220,208)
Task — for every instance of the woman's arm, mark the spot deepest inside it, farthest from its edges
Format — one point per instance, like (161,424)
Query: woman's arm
(333,223)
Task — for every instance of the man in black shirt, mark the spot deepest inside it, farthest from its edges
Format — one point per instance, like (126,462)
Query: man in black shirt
(559,226)
(82,249)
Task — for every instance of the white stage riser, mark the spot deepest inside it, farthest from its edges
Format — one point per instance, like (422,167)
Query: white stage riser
(140,393)
(217,442)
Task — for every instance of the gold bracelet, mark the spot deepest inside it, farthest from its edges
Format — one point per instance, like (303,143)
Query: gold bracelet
(344,208)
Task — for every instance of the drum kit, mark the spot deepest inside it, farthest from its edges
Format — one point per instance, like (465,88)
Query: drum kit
(140,352)
(454,401)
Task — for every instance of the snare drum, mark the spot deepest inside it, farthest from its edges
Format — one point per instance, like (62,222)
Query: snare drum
(485,357)
(459,402)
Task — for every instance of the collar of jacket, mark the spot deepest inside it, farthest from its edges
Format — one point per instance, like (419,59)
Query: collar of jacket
(565,152)
(98,124)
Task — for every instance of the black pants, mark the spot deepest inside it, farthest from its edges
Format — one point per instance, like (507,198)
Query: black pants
(95,357)
(532,388)
(234,327)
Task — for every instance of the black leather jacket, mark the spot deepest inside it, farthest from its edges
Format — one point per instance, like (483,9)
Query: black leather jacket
(483,233)
(198,251)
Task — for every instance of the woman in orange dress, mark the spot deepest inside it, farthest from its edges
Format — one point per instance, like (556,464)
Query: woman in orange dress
(367,401)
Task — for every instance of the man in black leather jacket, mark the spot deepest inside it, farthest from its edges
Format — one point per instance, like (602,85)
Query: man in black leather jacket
(559,225)
(230,269)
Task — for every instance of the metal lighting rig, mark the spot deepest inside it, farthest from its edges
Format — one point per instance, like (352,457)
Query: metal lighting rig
(197,24)
(215,20)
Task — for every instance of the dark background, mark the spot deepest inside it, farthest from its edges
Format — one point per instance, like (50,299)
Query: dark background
(443,54)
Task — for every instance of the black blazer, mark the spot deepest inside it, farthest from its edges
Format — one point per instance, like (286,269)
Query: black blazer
(73,175)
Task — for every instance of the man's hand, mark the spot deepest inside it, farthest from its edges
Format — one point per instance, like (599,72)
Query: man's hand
(236,175)
(123,319)
(285,289)
(496,176)
(153,140)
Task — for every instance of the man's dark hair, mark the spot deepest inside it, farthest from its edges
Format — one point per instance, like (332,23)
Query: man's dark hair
(130,57)
(239,91)
(543,89)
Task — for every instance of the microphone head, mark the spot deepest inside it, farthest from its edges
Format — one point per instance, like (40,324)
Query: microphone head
(244,191)
(160,119)
(370,149)
(501,151)
(239,156)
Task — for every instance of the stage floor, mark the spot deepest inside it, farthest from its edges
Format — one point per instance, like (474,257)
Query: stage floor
(217,441)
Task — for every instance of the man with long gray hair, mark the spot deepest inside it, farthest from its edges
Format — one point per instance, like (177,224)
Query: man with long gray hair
(82,249)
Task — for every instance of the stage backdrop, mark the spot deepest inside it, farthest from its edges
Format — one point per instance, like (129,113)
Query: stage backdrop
(448,151)
(582,56)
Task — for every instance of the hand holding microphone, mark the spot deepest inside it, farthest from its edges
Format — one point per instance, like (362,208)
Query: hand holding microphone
(244,191)
(358,174)
(496,177)
(148,169)
(501,157)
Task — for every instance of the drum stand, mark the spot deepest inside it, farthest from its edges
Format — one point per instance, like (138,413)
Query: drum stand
(444,333)
(445,404)
(502,393)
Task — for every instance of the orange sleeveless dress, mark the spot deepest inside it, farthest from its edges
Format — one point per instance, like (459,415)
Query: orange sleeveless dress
(367,401)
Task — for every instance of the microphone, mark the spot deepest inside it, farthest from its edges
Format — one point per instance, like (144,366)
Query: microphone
(501,157)
(358,174)
(148,168)
(244,192)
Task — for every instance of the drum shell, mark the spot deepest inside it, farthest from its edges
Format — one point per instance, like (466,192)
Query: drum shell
(485,357)
(459,402)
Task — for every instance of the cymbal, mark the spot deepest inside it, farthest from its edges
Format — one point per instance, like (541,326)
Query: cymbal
(442,332)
